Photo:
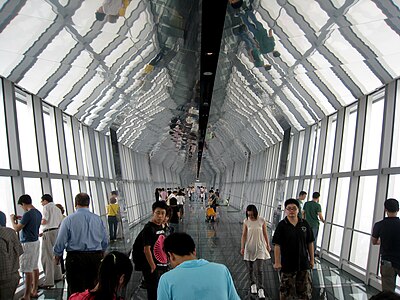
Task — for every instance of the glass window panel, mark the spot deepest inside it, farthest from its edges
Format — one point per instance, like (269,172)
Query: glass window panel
(97,137)
(69,143)
(394,186)
(330,143)
(27,132)
(57,190)
(33,187)
(349,132)
(75,190)
(342,194)
(299,153)
(373,131)
(317,136)
(4,157)
(395,158)
(360,249)
(94,199)
(83,150)
(311,150)
(7,207)
(365,198)
(336,240)
(323,200)
(53,155)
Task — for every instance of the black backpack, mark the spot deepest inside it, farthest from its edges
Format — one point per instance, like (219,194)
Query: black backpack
(138,257)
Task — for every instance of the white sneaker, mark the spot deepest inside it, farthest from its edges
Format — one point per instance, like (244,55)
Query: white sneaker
(253,288)
(261,294)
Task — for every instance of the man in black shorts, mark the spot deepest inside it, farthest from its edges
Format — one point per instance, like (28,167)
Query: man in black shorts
(294,254)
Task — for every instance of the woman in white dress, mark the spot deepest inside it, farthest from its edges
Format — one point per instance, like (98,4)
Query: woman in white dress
(255,249)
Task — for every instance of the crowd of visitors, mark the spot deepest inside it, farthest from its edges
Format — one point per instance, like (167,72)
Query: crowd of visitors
(169,255)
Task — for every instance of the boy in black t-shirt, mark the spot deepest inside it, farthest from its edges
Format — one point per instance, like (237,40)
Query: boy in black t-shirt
(386,233)
(294,253)
(153,242)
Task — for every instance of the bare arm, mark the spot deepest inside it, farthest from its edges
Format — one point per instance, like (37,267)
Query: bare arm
(375,241)
(321,217)
(311,254)
(149,258)
(243,240)
(17,226)
(265,234)
(44,222)
(277,257)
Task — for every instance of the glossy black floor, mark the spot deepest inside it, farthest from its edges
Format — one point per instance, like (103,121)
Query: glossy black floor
(220,242)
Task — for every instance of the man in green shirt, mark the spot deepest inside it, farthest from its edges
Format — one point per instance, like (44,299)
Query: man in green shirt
(313,214)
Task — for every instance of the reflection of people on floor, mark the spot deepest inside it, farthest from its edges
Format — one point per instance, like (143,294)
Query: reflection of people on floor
(113,9)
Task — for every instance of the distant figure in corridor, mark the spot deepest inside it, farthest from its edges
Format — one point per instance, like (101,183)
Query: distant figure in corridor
(193,278)
(294,254)
(113,215)
(386,233)
(114,273)
(300,199)
(255,249)
(312,213)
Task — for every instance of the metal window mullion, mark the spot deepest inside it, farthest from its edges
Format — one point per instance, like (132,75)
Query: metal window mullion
(78,152)
(354,182)
(41,142)
(321,147)
(14,146)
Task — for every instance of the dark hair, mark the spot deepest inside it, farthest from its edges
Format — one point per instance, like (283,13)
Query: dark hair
(3,219)
(252,208)
(179,243)
(316,195)
(115,193)
(237,4)
(82,199)
(173,201)
(211,191)
(159,204)
(302,193)
(292,201)
(47,197)
(392,205)
(112,267)
(100,16)
(386,295)
(60,207)
(25,199)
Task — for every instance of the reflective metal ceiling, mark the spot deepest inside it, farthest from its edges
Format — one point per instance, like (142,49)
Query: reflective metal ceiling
(141,74)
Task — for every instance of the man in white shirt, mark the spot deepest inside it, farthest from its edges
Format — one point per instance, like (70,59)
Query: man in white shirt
(51,221)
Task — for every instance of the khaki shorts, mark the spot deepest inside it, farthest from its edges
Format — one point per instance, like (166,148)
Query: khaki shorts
(29,260)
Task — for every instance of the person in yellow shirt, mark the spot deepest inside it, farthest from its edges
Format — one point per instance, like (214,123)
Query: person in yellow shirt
(113,218)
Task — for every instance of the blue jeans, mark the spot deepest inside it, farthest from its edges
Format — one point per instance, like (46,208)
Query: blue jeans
(112,226)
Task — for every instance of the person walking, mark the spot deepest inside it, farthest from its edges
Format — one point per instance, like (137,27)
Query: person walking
(255,249)
(294,254)
(386,233)
(312,213)
(113,215)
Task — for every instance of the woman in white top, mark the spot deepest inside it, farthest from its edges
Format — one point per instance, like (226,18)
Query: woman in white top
(255,248)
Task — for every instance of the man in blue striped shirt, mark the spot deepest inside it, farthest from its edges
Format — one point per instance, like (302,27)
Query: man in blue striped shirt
(84,237)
